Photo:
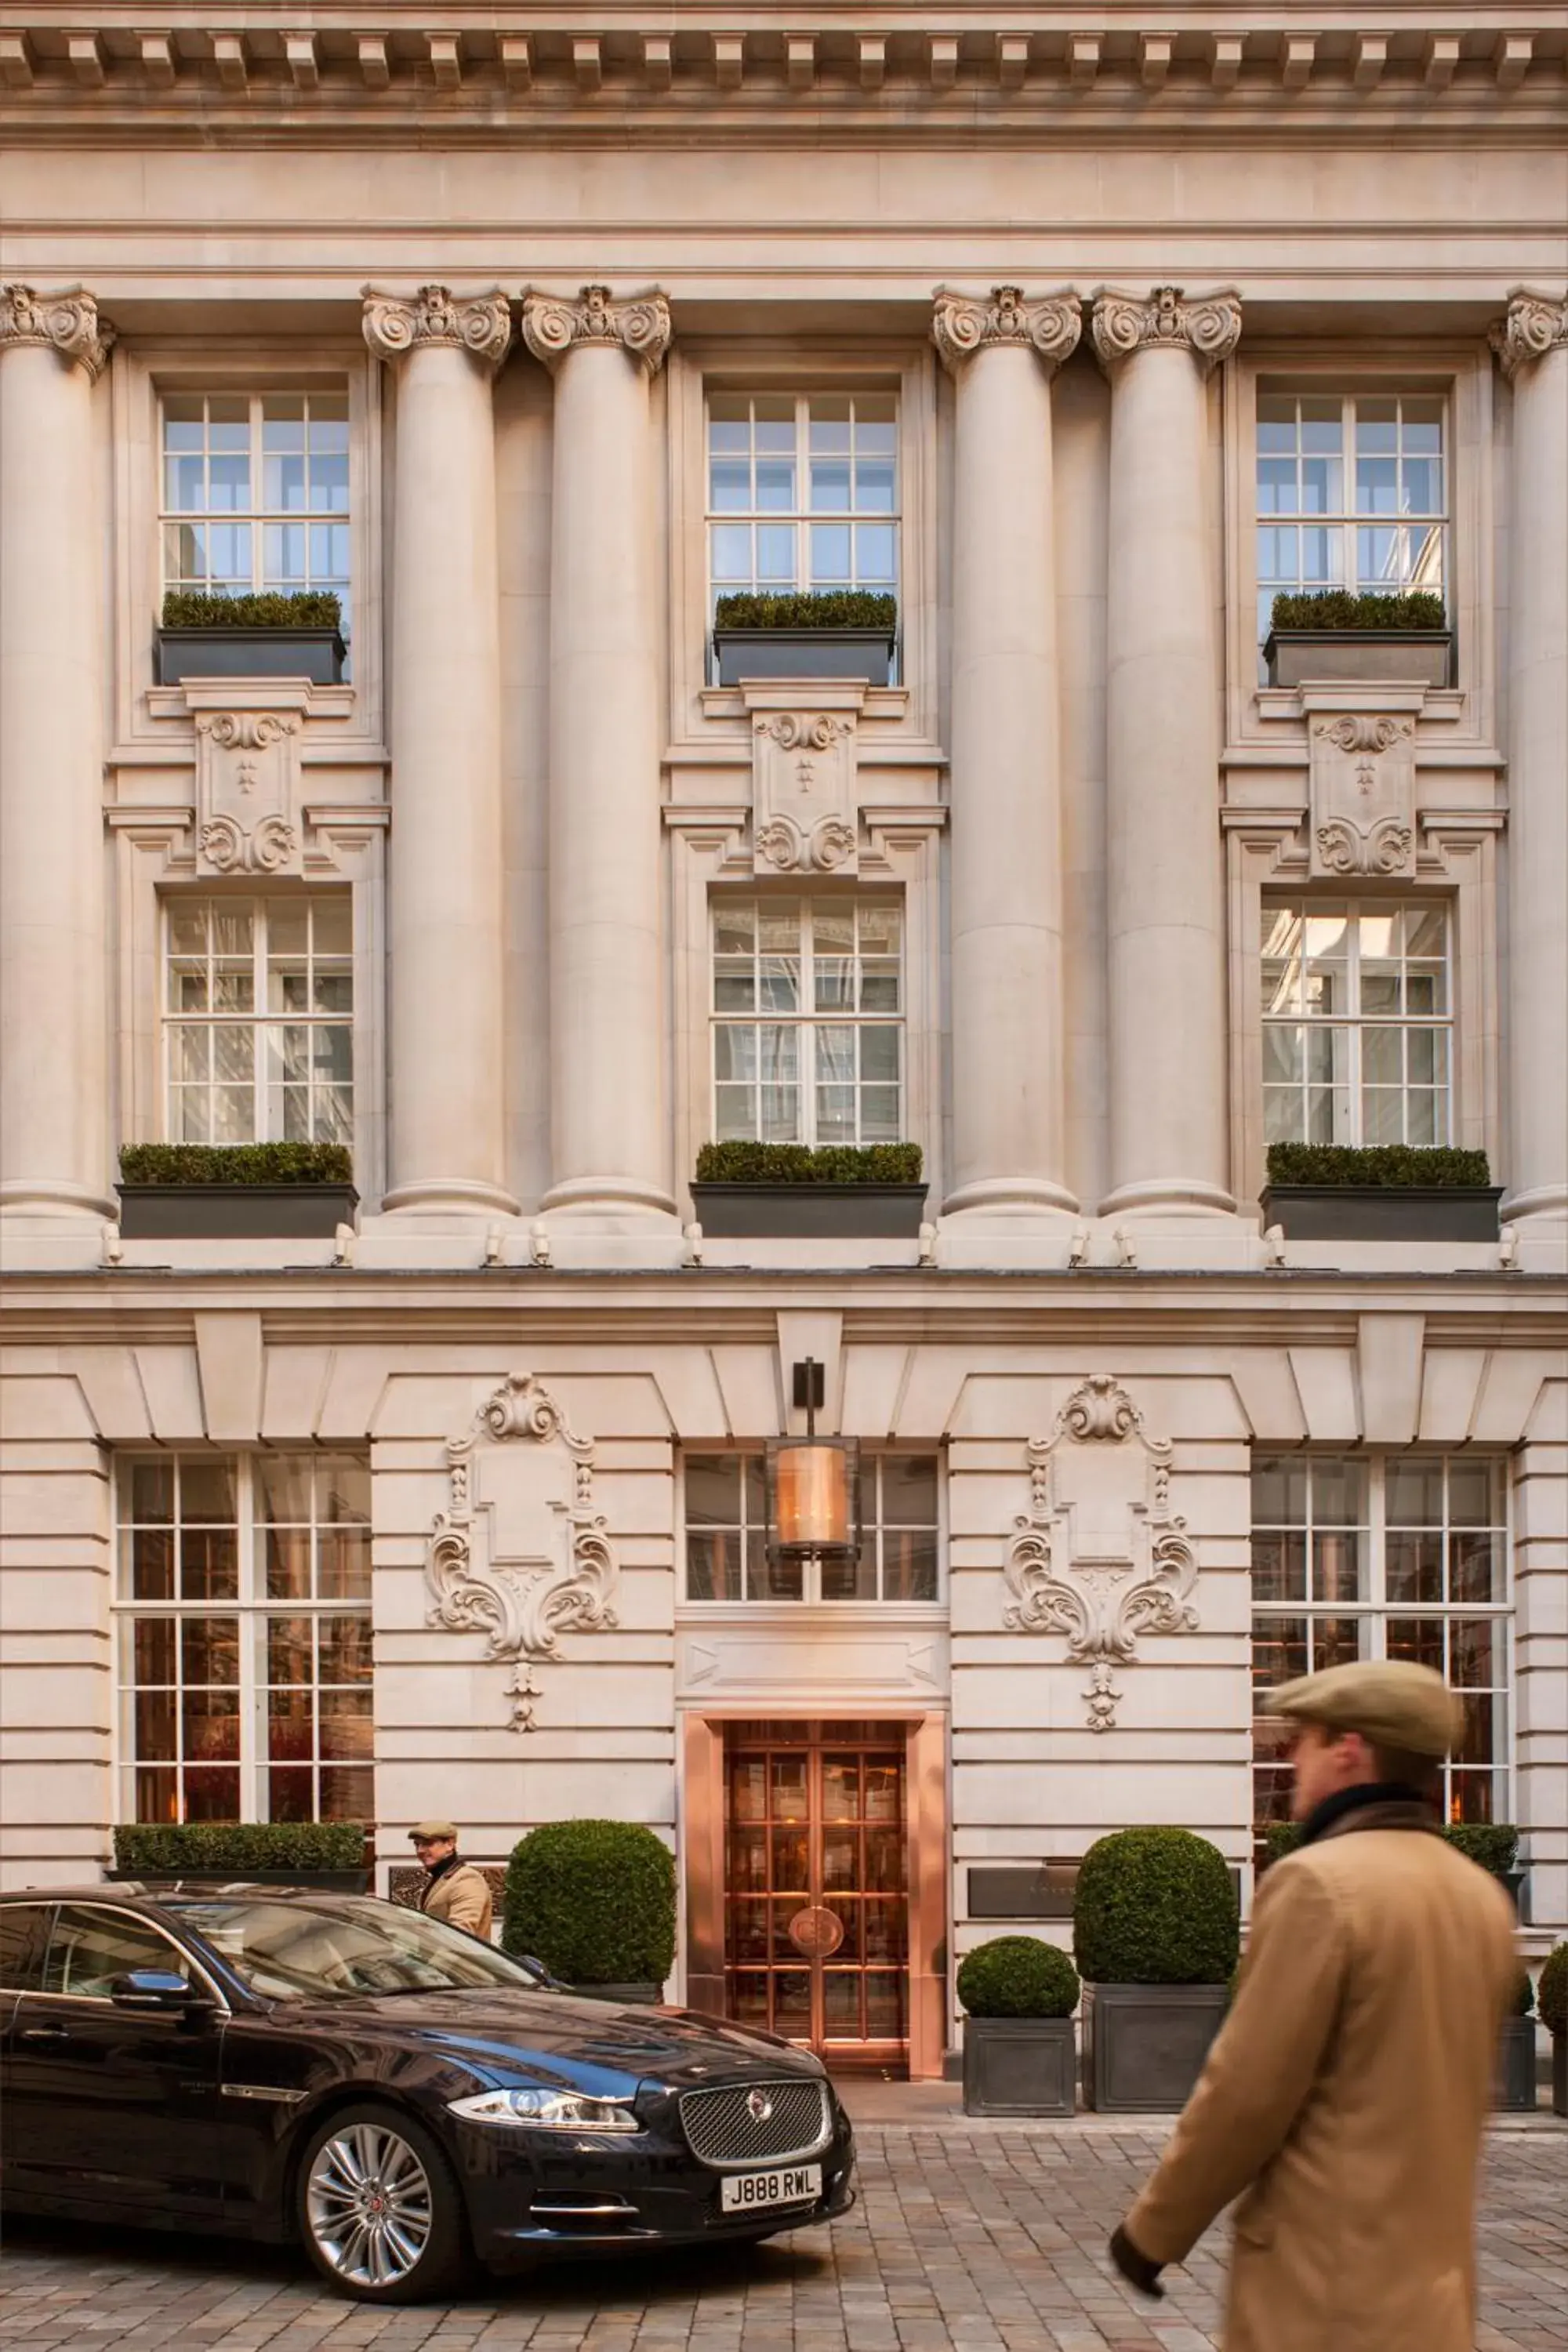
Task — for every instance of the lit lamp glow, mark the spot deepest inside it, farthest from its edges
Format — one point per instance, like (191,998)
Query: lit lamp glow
(813,1484)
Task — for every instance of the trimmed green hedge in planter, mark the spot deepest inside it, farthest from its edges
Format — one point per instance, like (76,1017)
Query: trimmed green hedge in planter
(327,1855)
(840,1190)
(1156,1936)
(846,633)
(595,1902)
(1330,1192)
(1494,1845)
(269,635)
(1552,1996)
(1336,636)
(1019,1994)
(237,1192)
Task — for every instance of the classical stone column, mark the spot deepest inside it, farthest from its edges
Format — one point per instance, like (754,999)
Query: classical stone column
(1532,345)
(1166,883)
(609,1131)
(446,1077)
(1008,1106)
(54,1043)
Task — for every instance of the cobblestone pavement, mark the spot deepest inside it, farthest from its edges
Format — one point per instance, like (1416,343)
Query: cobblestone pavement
(964,2241)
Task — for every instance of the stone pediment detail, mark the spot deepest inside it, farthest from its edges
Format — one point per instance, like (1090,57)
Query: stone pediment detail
(1363,795)
(1099,1555)
(520,1554)
(805,816)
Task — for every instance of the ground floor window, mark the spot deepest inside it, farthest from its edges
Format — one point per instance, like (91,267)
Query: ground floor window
(244,1636)
(726,1551)
(1373,1556)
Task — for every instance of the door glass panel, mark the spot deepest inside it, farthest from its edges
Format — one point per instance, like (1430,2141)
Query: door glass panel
(21,1925)
(89,1948)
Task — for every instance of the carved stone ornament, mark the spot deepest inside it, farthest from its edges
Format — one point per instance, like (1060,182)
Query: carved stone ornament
(1049,324)
(1363,795)
(1209,326)
(68,321)
(1098,1555)
(1535,324)
(552,324)
(802,784)
(248,817)
(480,324)
(520,1553)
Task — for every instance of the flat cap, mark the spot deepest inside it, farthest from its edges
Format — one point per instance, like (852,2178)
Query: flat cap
(434,1830)
(1389,1701)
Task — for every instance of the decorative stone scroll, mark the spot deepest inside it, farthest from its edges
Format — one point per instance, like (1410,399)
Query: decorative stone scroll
(805,818)
(552,324)
(248,817)
(1363,795)
(1048,324)
(520,1553)
(1209,326)
(68,321)
(480,324)
(1098,1555)
(1535,324)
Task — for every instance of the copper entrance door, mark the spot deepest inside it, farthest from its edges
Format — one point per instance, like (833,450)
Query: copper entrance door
(817,1887)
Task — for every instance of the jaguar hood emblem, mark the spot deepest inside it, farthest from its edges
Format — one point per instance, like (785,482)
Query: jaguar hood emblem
(759,2106)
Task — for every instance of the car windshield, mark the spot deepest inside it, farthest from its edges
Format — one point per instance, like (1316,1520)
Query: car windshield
(320,1951)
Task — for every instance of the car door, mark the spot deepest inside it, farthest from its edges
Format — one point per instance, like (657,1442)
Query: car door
(24,1928)
(114,2109)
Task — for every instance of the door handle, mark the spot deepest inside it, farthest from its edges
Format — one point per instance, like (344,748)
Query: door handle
(44,2034)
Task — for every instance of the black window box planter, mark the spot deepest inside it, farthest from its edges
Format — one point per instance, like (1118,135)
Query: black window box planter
(1513,2089)
(628,1996)
(235,1213)
(309,1882)
(1359,656)
(810,1212)
(1018,2066)
(315,654)
(804,653)
(1144,2046)
(1383,1212)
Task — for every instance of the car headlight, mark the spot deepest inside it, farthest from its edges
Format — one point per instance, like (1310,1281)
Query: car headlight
(543,2110)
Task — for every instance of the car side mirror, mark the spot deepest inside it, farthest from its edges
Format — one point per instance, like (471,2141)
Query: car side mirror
(155,1990)
(551,1984)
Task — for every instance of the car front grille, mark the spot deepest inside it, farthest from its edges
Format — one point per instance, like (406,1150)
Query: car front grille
(727,2128)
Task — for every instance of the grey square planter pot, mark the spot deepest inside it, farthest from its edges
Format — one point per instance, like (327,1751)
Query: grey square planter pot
(235,1213)
(1144,2046)
(1018,2066)
(315,654)
(308,1882)
(1383,1213)
(1514,2089)
(804,653)
(1559,2073)
(1359,656)
(810,1212)
(631,1996)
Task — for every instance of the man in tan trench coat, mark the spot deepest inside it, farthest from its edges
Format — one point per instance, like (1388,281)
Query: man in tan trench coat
(453,1889)
(1345,2098)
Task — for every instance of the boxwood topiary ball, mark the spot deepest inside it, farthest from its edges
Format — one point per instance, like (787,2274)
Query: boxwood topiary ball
(1155,1906)
(594,1900)
(1017,1976)
(1552,1994)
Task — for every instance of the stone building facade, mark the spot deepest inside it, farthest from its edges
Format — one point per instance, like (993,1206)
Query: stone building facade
(528,333)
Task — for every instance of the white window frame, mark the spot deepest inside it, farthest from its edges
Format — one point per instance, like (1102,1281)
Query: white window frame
(260,1019)
(808,1020)
(1352,1022)
(1375,1612)
(747,1606)
(252,1607)
(256,516)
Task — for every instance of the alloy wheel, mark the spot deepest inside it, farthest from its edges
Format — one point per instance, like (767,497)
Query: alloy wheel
(369,2202)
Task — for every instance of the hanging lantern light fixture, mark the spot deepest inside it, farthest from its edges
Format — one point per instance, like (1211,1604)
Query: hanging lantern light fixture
(814,1483)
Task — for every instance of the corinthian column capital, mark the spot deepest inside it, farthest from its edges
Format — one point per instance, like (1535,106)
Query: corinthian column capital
(553,324)
(480,324)
(1209,326)
(67,321)
(1534,325)
(1047,324)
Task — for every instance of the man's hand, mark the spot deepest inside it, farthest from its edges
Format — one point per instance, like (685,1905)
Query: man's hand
(1135,2267)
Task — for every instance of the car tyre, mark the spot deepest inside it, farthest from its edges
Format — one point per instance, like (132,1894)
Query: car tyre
(378,2208)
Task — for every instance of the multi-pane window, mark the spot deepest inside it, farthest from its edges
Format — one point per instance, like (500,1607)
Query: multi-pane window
(727,1554)
(803,491)
(808,1032)
(255,493)
(1357,1021)
(1391,1556)
(245,1636)
(1350,494)
(259,1018)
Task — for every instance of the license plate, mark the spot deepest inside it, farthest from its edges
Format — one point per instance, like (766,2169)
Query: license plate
(746,2192)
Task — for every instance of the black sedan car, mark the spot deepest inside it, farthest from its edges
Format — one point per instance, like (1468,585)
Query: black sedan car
(398,2096)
